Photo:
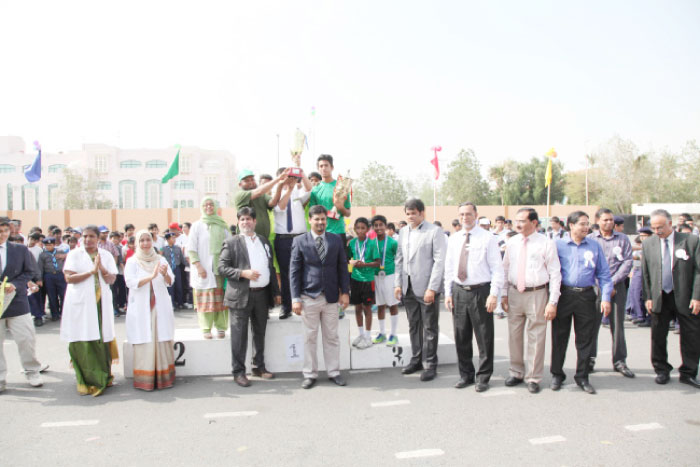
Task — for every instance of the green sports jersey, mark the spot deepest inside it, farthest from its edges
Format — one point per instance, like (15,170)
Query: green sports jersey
(391,247)
(368,251)
(323,194)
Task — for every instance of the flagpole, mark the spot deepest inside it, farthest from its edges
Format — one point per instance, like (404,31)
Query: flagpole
(434,199)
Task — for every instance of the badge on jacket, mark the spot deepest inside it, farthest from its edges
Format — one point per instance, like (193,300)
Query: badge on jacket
(681,254)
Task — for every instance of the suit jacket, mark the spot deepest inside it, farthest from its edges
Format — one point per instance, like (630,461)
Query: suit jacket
(686,272)
(309,276)
(234,259)
(427,263)
(19,269)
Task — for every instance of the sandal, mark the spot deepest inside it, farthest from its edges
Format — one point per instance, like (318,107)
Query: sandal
(222,334)
(207,335)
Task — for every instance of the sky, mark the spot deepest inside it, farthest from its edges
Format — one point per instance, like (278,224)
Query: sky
(388,79)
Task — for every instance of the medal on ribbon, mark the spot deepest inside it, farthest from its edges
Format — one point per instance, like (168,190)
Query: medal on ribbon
(588,256)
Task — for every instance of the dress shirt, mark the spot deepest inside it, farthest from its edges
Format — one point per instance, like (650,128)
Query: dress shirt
(181,241)
(561,233)
(410,246)
(258,260)
(314,235)
(618,253)
(582,265)
(542,265)
(671,241)
(109,246)
(484,263)
(297,199)
(3,256)
(46,263)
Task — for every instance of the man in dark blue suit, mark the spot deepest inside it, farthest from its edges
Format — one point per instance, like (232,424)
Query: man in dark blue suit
(16,268)
(319,280)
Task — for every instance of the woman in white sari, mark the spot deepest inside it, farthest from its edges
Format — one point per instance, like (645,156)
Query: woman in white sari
(150,324)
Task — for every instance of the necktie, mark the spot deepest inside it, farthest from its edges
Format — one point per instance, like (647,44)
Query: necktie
(289,216)
(666,274)
(522,263)
(463,258)
(172,258)
(53,260)
(321,248)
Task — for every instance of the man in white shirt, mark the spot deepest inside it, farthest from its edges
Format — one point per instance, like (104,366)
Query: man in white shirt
(290,221)
(473,279)
(533,280)
(246,261)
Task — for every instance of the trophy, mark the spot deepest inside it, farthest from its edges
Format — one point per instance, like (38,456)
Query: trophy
(343,187)
(298,147)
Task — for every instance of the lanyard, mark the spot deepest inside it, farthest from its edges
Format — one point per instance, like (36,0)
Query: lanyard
(381,266)
(360,253)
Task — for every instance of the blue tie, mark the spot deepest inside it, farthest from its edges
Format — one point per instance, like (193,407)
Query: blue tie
(289,216)
(172,258)
(666,274)
(53,260)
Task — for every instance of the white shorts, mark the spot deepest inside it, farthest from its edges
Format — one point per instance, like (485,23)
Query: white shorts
(384,290)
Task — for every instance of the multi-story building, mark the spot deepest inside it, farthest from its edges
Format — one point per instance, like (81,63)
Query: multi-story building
(129,178)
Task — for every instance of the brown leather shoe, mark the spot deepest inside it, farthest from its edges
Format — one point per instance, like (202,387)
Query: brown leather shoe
(263,373)
(241,380)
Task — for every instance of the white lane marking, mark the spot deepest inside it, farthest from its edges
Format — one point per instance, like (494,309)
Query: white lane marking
(390,403)
(248,413)
(419,453)
(506,392)
(498,339)
(358,372)
(69,423)
(644,426)
(500,360)
(547,440)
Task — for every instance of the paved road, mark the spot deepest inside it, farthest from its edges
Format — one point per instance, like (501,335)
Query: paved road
(380,418)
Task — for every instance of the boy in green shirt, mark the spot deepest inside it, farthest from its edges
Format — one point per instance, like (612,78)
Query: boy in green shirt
(323,194)
(384,281)
(364,258)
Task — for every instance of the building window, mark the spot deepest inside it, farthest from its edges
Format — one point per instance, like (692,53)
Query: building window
(210,183)
(184,185)
(104,185)
(190,203)
(30,197)
(154,194)
(156,164)
(130,164)
(127,194)
(185,163)
(53,196)
(56,168)
(7,168)
(175,204)
(10,197)
(101,163)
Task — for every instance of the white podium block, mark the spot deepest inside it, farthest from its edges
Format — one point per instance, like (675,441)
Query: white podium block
(284,345)
(381,356)
(284,350)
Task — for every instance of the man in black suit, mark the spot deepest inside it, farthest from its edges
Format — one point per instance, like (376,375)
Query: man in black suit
(671,290)
(17,266)
(246,261)
(319,281)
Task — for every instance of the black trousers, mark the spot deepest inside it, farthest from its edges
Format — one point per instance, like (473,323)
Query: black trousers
(56,289)
(255,312)
(423,328)
(118,292)
(579,307)
(186,289)
(175,290)
(470,316)
(617,325)
(690,338)
(283,250)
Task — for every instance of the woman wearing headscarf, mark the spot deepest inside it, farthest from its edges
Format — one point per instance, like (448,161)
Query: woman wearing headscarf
(204,245)
(88,320)
(150,324)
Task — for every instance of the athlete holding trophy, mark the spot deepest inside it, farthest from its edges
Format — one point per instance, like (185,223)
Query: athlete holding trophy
(334,195)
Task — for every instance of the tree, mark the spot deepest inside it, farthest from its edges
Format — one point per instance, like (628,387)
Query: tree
(528,188)
(378,185)
(464,181)
(421,187)
(80,192)
(501,176)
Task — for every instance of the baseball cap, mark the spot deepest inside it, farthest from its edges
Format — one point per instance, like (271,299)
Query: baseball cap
(49,241)
(103,228)
(645,230)
(618,220)
(174,226)
(244,173)
(484,221)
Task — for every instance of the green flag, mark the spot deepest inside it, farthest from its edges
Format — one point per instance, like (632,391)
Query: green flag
(173,170)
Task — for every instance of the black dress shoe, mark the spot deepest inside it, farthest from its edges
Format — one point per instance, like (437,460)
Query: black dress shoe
(533,387)
(285,314)
(241,380)
(464,382)
(262,373)
(428,375)
(644,324)
(622,368)
(591,365)
(689,381)
(513,381)
(308,383)
(38,322)
(481,387)
(556,383)
(410,369)
(586,386)
(338,379)
(662,378)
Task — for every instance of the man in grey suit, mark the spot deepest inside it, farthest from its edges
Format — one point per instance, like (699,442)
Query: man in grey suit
(420,266)
(246,261)
(671,290)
